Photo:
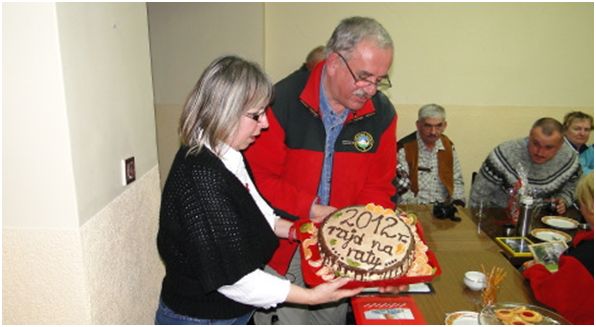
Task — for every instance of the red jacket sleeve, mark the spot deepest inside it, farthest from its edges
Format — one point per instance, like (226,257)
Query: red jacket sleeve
(266,158)
(570,290)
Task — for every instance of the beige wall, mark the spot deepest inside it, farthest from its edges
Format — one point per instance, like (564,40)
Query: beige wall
(107,82)
(77,246)
(185,38)
(106,272)
(485,54)
(35,126)
(123,271)
(39,213)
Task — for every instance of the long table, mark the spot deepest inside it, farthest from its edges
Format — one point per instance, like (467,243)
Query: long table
(460,247)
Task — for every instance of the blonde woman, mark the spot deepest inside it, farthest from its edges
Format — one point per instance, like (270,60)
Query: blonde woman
(570,290)
(216,233)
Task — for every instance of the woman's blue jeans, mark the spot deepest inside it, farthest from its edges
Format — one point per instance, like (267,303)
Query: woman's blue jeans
(165,316)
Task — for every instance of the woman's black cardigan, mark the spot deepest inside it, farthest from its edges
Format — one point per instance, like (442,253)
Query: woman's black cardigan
(211,233)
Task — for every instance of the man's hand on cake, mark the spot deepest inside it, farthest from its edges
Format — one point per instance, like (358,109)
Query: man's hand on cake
(318,212)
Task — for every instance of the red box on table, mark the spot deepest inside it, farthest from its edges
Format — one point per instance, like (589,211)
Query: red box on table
(386,310)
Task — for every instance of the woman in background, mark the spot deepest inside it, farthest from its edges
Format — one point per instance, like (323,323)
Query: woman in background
(216,233)
(577,127)
(570,290)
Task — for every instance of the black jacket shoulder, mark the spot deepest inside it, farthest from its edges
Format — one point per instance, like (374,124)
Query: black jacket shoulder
(406,139)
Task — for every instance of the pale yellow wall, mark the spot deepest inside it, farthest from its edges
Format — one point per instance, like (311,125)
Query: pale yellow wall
(77,246)
(185,38)
(522,54)
(107,82)
(495,67)
(36,136)
(41,251)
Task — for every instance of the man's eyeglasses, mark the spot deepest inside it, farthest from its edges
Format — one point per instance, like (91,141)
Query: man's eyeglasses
(256,116)
(383,83)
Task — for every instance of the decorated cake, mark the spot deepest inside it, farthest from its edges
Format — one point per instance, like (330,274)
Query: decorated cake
(368,243)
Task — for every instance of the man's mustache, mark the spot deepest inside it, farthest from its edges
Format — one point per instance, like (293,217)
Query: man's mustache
(361,93)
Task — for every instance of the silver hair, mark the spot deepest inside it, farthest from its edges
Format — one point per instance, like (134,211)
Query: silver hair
(431,110)
(228,87)
(351,31)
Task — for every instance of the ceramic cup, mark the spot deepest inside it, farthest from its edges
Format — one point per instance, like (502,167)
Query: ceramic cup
(475,280)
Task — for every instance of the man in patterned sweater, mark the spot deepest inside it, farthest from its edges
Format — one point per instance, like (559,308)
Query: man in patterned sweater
(552,170)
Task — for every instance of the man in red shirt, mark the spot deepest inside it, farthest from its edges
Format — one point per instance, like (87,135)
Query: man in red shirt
(330,144)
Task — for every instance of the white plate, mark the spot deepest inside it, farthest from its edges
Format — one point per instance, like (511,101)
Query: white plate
(560,222)
(462,318)
(549,235)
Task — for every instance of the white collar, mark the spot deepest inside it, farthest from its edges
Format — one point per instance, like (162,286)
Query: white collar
(231,157)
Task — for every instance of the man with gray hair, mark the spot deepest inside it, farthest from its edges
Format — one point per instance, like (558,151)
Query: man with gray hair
(428,169)
(330,144)
(552,170)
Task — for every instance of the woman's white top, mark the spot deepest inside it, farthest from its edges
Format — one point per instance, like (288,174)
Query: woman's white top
(258,288)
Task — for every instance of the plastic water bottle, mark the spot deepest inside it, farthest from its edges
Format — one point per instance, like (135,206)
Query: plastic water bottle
(525,217)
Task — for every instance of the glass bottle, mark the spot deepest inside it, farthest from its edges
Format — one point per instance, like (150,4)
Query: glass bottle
(525,217)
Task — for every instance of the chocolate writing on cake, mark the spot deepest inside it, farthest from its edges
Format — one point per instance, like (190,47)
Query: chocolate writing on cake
(363,243)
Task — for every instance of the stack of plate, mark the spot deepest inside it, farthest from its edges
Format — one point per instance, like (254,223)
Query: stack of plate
(549,235)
